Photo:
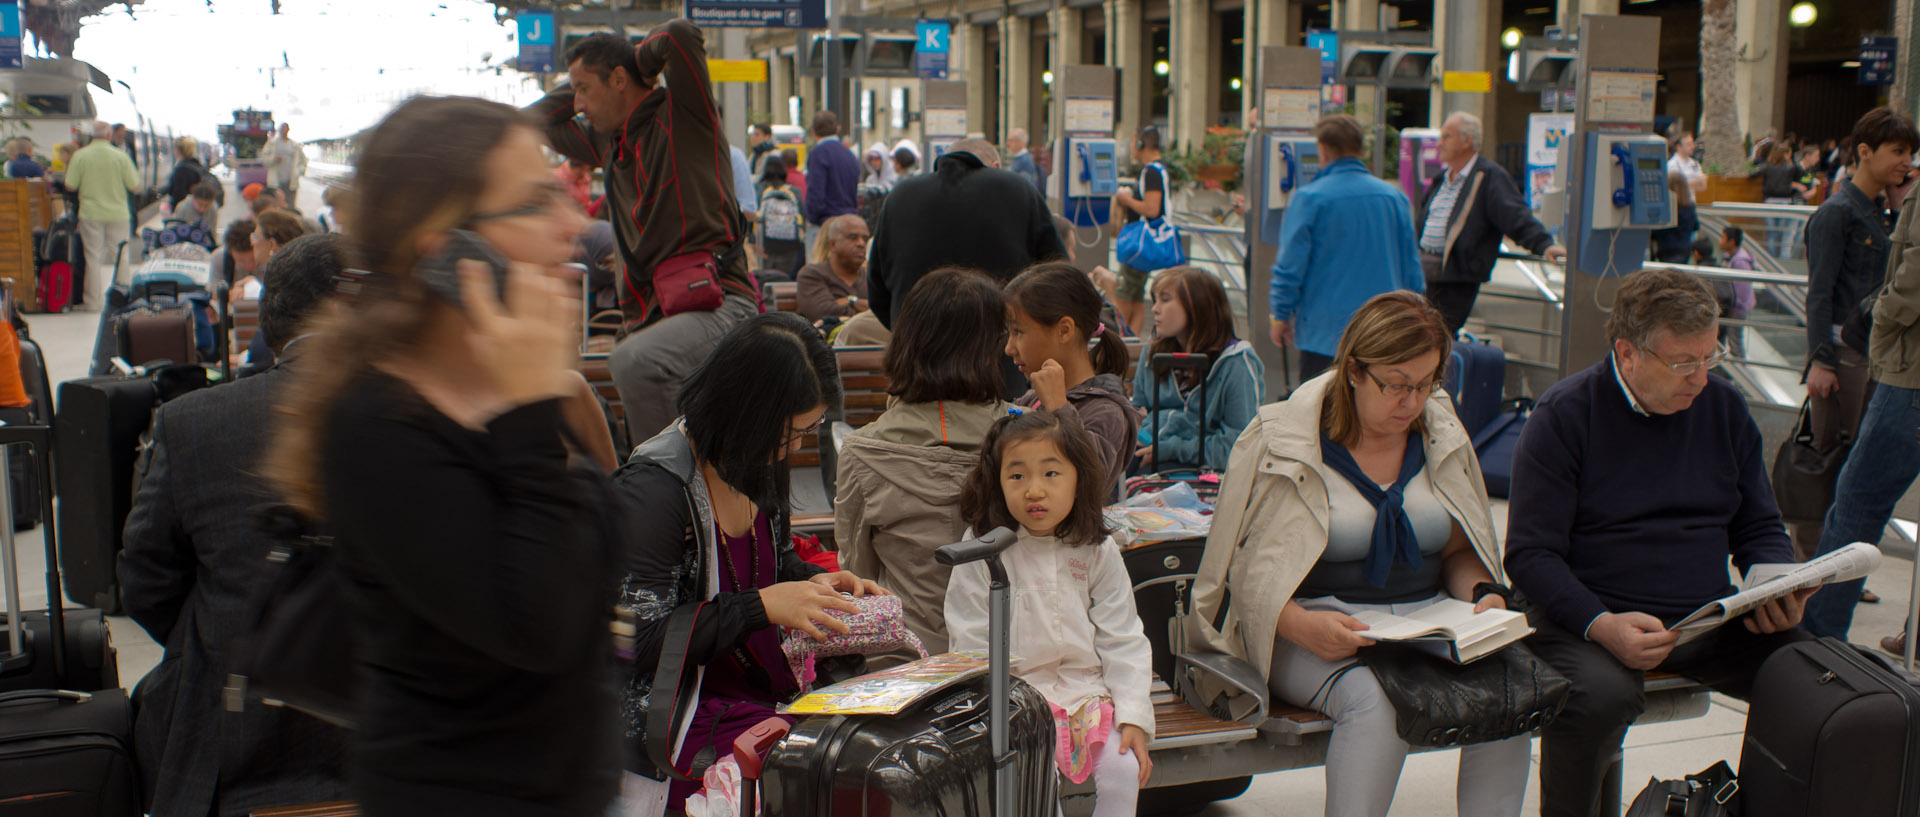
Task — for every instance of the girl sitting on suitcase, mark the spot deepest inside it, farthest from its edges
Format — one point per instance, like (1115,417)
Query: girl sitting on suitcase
(1190,314)
(1053,315)
(1080,642)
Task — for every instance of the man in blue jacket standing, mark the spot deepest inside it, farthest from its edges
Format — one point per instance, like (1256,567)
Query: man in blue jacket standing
(833,173)
(1347,237)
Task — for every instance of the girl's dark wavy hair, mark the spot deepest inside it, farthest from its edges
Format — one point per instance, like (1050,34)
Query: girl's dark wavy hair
(739,405)
(984,506)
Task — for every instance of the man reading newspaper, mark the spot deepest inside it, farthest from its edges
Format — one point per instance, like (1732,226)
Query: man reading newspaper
(1634,483)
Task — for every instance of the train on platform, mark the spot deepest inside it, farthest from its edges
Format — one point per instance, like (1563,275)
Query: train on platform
(54,101)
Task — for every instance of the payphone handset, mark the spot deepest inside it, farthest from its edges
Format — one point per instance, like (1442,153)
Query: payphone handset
(1630,182)
(1095,169)
(1291,162)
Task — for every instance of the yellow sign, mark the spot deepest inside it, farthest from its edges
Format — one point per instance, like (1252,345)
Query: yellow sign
(1467,82)
(737,70)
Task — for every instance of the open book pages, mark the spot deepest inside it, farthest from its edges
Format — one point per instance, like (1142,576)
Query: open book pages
(1771,581)
(890,691)
(1450,625)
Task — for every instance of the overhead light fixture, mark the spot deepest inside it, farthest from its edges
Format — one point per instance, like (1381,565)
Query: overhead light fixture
(1161,68)
(1234,83)
(1850,64)
(1046,78)
(1802,15)
(1510,38)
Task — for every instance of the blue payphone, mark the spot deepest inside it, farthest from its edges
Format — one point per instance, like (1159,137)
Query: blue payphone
(1291,162)
(1625,177)
(1092,178)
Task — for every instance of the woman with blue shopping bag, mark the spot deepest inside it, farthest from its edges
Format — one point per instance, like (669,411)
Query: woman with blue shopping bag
(1149,241)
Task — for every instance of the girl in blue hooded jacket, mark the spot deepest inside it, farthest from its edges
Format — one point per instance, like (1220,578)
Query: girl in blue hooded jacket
(1190,314)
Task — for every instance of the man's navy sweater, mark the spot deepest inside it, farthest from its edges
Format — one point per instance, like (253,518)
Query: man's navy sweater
(1613,511)
(833,173)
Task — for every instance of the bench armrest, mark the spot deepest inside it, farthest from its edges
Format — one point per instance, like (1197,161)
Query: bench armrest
(1225,686)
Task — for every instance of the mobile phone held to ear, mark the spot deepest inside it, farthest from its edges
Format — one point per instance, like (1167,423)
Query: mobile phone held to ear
(440,272)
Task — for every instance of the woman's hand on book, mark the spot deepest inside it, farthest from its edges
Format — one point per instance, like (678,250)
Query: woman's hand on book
(1490,601)
(1329,634)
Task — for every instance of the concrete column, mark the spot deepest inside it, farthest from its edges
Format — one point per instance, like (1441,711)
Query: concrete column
(1572,10)
(1016,75)
(1760,69)
(780,76)
(979,96)
(1127,52)
(1464,32)
(1191,55)
(733,95)
(1266,25)
(1069,38)
(1360,15)
(1906,84)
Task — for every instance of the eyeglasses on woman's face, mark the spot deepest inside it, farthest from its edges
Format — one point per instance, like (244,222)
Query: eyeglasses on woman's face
(1401,391)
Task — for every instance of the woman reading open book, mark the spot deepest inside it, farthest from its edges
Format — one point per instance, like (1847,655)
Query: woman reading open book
(1359,494)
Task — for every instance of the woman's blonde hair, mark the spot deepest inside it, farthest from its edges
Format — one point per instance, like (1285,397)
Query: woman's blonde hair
(1394,327)
(185,146)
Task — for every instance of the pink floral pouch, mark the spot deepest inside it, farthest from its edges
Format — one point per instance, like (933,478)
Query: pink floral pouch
(879,627)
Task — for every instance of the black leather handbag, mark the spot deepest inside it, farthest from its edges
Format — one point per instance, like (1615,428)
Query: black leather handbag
(1804,476)
(1439,703)
(300,649)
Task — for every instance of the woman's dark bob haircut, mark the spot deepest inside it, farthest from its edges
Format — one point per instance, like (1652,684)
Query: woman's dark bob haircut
(951,335)
(740,404)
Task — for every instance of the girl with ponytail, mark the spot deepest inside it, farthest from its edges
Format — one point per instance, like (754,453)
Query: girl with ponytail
(1074,360)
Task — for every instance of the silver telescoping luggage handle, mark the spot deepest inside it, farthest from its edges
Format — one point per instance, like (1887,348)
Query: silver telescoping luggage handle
(988,548)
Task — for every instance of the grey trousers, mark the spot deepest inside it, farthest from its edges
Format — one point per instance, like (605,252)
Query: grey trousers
(649,365)
(1366,752)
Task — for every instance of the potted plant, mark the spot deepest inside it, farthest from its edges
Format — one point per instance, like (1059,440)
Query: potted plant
(1220,155)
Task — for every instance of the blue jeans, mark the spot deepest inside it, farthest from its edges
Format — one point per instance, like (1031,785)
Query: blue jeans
(1883,464)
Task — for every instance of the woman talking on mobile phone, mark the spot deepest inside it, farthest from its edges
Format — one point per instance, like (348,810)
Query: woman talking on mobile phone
(478,564)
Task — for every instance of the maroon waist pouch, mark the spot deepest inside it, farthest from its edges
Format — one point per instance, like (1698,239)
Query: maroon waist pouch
(688,282)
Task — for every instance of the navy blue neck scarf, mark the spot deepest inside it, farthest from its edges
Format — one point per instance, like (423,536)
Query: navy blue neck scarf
(1393,536)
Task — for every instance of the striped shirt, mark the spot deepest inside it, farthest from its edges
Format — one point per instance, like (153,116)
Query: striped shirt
(1433,236)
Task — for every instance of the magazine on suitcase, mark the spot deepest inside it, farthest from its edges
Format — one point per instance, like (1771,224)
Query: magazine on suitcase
(981,746)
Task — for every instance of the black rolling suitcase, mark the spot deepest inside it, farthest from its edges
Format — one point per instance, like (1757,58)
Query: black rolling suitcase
(66,740)
(39,650)
(936,758)
(97,435)
(1831,730)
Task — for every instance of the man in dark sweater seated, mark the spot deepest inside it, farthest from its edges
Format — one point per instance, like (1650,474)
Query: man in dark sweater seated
(1633,483)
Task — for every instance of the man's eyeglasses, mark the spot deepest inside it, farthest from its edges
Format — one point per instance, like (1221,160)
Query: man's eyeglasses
(1687,368)
(1400,391)
(797,434)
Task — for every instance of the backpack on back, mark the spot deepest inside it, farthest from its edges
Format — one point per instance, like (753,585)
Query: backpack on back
(780,218)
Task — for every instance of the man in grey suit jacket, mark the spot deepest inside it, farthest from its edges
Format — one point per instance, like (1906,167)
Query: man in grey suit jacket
(191,563)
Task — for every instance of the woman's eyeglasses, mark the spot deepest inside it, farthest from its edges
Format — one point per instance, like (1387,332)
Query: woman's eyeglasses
(1400,391)
(797,434)
(554,196)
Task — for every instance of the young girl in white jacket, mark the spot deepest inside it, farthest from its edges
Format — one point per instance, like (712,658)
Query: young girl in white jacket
(1078,639)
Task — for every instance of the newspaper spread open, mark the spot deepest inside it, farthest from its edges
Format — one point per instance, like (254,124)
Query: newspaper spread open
(1771,581)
